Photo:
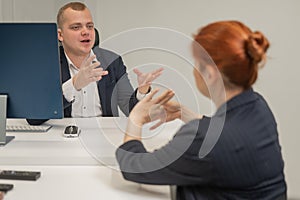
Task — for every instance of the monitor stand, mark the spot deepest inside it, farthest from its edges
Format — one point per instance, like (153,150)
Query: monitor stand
(3,138)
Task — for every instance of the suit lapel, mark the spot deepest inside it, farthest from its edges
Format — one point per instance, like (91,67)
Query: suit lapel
(65,73)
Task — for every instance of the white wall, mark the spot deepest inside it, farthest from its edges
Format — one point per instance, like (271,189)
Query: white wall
(278,20)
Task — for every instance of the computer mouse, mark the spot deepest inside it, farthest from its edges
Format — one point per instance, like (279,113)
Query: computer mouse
(71,131)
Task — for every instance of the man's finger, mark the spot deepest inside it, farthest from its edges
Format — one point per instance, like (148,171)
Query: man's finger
(137,72)
(102,73)
(158,71)
(94,65)
(90,63)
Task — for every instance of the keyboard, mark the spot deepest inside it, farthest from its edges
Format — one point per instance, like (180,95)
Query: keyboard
(28,128)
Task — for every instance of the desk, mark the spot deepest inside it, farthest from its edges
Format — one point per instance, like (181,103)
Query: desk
(81,183)
(78,168)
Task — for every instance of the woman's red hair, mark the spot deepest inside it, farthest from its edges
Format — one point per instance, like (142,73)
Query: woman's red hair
(235,49)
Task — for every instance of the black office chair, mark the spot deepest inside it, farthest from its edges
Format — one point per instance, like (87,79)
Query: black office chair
(97,38)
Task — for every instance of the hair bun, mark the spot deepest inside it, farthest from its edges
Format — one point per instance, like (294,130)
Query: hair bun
(256,46)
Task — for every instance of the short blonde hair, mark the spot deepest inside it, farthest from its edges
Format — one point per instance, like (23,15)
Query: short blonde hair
(74,6)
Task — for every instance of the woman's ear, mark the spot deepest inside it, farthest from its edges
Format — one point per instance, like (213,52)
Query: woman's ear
(210,74)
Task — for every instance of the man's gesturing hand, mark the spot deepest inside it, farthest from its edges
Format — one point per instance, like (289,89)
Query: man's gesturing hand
(145,79)
(88,73)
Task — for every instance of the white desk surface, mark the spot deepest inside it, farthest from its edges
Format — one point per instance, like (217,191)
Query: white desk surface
(81,183)
(78,168)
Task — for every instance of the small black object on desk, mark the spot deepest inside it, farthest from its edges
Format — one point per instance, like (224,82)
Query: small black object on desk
(19,175)
(6,187)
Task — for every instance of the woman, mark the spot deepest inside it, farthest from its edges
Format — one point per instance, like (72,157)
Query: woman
(234,154)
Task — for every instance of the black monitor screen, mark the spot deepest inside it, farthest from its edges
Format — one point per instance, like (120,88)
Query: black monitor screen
(30,70)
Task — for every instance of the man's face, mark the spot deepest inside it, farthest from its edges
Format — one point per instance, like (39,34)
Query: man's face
(77,32)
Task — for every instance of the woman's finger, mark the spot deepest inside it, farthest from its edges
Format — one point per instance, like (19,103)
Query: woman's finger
(160,122)
(152,93)
(165,97)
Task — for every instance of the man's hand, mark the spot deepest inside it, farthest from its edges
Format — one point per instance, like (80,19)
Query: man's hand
(88,73)
(145,79)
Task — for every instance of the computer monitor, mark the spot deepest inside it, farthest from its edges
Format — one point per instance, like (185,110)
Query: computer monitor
(30,72)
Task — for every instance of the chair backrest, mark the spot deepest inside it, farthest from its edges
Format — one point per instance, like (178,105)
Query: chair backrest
(97,38)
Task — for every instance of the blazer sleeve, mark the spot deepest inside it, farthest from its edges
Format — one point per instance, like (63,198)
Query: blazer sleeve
(173,164)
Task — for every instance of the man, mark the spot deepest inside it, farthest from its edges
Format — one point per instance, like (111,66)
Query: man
(90,90)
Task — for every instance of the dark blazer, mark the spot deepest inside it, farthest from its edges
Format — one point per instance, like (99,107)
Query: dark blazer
(244,163)
(114,89)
